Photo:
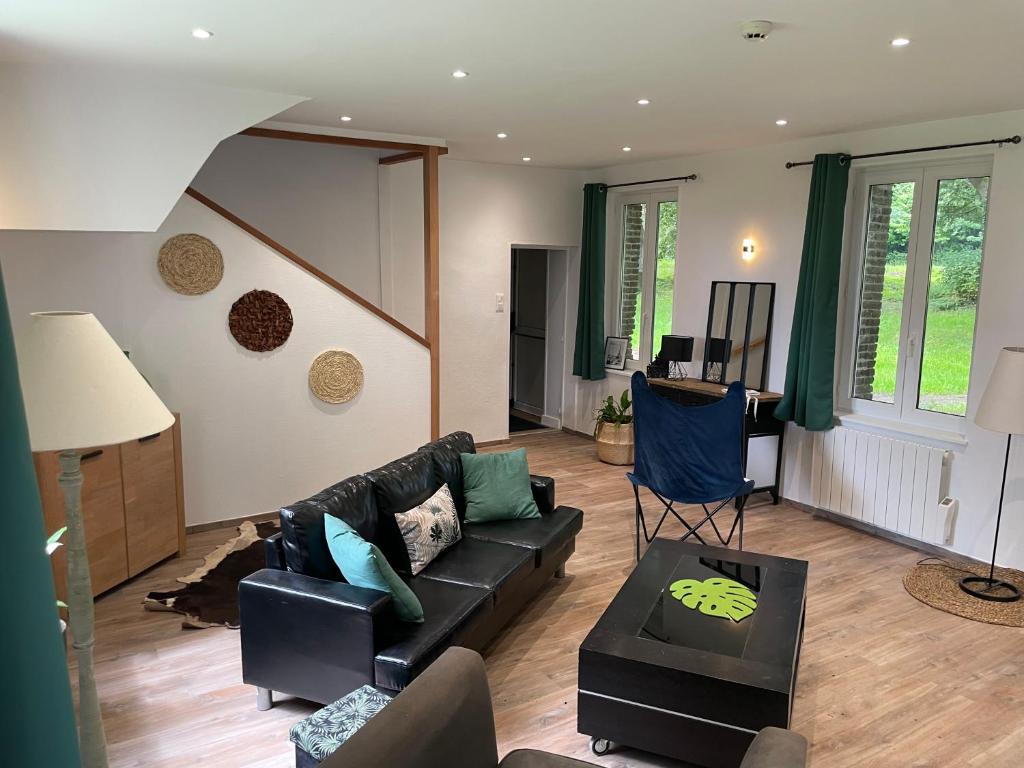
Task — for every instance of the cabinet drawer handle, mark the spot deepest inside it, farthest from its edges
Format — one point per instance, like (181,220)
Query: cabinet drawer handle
(91,455)
(147,438)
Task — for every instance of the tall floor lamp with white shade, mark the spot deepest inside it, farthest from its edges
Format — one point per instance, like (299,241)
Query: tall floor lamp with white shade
(1001,410)
(81,391)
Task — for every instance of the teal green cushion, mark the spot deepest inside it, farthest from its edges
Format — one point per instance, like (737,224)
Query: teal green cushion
(497,487)
(363,565)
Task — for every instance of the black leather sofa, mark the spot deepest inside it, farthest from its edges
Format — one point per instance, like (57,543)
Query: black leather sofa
(306,632)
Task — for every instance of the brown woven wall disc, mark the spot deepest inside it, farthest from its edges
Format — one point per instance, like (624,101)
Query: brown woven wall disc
(190,264)
(336,376)
(260,321)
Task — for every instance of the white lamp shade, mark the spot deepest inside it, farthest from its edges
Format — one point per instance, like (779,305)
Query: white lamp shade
(80,389)
(1002,405)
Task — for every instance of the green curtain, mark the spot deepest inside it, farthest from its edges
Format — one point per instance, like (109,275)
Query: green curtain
(38,726)
(810,372)
(588,357)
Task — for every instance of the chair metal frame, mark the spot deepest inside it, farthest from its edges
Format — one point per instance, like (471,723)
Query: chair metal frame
(691,530)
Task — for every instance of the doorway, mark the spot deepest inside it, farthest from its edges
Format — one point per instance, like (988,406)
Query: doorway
(537,338)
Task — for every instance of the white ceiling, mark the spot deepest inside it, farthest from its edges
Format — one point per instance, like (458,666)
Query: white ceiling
(561,77)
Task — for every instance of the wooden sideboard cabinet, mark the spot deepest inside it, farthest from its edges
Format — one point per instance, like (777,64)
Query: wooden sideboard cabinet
(132,502)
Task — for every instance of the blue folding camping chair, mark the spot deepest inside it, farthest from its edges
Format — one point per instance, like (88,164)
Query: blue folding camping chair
(689,455)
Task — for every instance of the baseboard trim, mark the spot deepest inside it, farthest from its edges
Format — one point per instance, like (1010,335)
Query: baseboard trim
(881,533)
(577,433)
(492,443)
(263,517)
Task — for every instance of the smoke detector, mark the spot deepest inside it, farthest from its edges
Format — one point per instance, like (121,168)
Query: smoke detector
(756,30)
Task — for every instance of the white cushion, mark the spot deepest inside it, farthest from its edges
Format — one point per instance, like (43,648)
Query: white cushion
(430,528)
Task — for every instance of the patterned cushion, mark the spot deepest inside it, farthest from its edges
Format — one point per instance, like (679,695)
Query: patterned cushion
(327,729)
(429,528)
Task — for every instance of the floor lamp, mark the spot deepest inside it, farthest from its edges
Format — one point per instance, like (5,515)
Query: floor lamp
(81,391)
(1000,411)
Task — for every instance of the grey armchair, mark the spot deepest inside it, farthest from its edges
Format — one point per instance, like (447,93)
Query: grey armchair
(444,718)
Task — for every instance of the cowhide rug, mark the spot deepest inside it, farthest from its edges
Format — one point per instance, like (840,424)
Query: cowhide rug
(210,595)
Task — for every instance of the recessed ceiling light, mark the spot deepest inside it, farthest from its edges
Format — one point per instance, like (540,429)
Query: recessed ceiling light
(527,159)
(460,73)
(503,135)
(346,119)
(627,149)
(643,102)
(201,34)
(782,121)
(899,42)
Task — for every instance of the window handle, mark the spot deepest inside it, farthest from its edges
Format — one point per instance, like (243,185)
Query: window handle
(911,346)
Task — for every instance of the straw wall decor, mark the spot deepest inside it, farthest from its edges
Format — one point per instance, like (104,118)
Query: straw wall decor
(336,376)
(190,264)
(260,321)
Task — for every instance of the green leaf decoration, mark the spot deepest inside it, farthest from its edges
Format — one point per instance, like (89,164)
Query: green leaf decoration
(716,596)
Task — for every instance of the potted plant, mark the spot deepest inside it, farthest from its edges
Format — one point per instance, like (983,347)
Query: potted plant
(52,545)
(614,430)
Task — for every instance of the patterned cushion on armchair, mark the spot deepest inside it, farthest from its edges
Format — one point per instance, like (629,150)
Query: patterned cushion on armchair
(316,737)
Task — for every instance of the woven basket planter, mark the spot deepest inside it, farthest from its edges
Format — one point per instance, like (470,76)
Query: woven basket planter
(336,376)
(190,264)
(615,443)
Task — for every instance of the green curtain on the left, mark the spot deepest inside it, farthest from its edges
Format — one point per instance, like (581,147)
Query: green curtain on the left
(588,356)
(38,726)
(810,372)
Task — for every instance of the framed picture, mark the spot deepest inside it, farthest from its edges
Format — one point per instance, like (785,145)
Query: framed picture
(615,352)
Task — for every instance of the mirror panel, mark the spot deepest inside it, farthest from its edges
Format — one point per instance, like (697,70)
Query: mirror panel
(739,333)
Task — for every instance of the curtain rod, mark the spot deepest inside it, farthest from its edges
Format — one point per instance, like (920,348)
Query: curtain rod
(1000,142)
(691,177)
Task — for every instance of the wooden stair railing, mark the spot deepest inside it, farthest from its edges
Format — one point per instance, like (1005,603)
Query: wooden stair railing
(305,265)
(430,154)
(432,318)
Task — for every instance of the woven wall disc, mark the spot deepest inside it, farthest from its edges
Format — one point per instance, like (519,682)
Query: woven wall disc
(336,376)
(260,321)
(190,264)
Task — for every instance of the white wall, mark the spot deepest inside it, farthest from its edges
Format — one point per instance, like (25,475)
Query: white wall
(401,243)
(254,437)
(485,210)
(749,193)
(318,200)
(101,149)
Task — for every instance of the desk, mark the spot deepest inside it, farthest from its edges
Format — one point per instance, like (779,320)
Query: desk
(696,392)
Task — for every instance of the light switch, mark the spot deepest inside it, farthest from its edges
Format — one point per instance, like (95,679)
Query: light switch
(499,302)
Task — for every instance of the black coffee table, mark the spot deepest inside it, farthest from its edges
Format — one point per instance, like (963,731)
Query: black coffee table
(697,652)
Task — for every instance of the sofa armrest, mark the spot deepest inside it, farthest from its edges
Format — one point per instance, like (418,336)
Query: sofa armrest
(273,551)
(776,748)
(543,492)
(308,637)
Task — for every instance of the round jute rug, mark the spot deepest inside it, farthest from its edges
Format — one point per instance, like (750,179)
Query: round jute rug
(938,584)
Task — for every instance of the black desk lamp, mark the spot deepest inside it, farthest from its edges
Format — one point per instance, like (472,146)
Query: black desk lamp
(676,350)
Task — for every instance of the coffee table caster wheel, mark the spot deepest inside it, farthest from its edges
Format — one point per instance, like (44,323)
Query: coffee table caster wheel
(599,746)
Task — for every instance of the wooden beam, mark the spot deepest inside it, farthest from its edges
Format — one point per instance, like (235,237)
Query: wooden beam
(407,156)
(302,263)
(325,138)
(432,282)
(402,158)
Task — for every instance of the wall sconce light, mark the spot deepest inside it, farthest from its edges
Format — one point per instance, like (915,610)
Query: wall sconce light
(748,249)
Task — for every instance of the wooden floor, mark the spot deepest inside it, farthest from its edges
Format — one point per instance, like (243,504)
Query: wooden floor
(884,680)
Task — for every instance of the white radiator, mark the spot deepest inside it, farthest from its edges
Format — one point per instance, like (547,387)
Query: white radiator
(889,483)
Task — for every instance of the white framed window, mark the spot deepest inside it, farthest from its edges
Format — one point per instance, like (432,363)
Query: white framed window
(915,256)
(643,255)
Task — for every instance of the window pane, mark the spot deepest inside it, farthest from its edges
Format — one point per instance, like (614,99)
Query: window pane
(883,280)
(634,216)
(953,280)
(664,279)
